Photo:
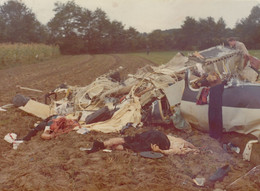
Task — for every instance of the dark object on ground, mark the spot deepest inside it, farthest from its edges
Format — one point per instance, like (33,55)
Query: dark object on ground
(142,142)
(97,145)
(158,112)
(229,147)
(151,154)
(20,100)
(39,127)
(53,92)
(215,111)
(122,131)
(62,86)
(220,173)
(115,77)
(99,115)
(48,96)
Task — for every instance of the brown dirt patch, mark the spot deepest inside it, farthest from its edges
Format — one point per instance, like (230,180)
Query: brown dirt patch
(59,164)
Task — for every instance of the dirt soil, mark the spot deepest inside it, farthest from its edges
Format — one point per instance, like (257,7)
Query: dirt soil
(59,164)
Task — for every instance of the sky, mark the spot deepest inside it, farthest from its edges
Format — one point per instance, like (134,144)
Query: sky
(149,15)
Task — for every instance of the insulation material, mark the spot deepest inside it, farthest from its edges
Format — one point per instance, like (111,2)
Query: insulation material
(249,74)
(130,112)
(177,63)
(83,96)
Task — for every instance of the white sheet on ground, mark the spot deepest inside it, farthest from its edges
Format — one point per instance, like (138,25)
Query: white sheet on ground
(129,112)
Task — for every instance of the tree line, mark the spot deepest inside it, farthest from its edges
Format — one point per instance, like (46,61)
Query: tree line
(78,30)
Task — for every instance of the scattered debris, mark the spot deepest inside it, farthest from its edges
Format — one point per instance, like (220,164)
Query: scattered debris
(30,89)
(105,103)
(130,112)
(249,74)
(230,147)
(160,112)
(20,100)
(107,150)
(102,114)
(83,131)
(1,109)
(218,189)
(59,125)
(161,95)
(11,138)
(220,173)
(7,106)
(199,181)
(248,149)
(16,144)
(122,131)
(84,149)
(179,122)
(151,154)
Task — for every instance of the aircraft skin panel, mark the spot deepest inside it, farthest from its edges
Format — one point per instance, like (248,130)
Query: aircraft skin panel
(241,120)
(195,114)
(242,96)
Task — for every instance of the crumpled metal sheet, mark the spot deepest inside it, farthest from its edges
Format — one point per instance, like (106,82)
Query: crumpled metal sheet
(217,52)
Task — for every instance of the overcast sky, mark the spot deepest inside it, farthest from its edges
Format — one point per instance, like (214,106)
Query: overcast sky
(148,15)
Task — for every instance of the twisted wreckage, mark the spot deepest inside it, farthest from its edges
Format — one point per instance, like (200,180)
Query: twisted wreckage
(163,95)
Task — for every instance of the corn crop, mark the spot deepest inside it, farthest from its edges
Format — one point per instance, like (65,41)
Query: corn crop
(22,54)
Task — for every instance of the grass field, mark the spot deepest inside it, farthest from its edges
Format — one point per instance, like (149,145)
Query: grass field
(14,55)
(22,54)
(255,53)
(163,57)
(159,57)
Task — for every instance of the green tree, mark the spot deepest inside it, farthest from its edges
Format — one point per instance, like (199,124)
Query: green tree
(2,31)
(20,24)
(85,21)
(66,27)
(78,30)
(248,29)
(161,40)
(202,34)
(221,31)
(188,35)
(134,40)
(156,40)
(208,33)
(117,37)
(98,34)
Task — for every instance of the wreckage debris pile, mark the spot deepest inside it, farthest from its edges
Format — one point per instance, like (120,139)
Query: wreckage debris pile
(152,95)
(108,104)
